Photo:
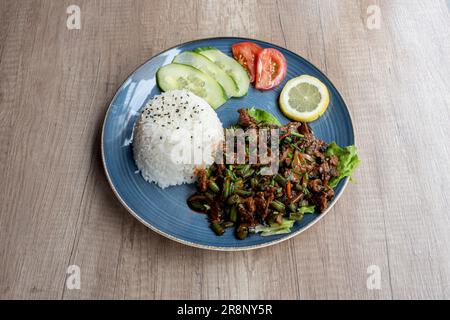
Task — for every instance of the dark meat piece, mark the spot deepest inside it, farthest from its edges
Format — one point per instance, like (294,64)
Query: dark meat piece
(250,205)
(284,154)
(291,126)
(244,119)
(292,176)
(330,193)
(214,215)
(261,204)
(270,196)
(315,185)
(324,170)
(202,180)
(322,201)
(334,161)
(220,169)
(304,129)
(245,215)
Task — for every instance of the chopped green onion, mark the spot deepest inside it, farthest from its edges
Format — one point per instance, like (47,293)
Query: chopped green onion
(297,134)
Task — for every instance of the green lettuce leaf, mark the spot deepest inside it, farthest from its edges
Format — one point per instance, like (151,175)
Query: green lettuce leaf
(263,116)
(348,161)
(275,228)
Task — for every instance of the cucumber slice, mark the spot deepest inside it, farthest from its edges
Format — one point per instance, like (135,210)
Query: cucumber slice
(207,66)
(179,76)
(230,66)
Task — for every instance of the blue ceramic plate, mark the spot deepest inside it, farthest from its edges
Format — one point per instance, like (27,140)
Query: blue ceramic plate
(165,211)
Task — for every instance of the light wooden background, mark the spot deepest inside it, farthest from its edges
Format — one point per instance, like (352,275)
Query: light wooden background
(57,209)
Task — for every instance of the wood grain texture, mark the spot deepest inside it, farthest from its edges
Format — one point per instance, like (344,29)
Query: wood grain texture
(56,207)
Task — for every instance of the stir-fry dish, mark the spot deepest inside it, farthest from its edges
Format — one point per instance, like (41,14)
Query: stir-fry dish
(241,196)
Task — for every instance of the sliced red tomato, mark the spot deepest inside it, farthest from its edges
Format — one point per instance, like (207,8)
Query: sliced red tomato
(271,69)
(245,53)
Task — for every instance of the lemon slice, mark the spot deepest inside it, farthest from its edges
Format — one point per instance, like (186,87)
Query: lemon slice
(304,98)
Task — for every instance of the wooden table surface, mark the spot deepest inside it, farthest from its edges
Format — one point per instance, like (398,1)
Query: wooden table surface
(57,209)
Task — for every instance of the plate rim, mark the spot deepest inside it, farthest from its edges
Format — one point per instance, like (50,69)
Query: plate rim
(202,246)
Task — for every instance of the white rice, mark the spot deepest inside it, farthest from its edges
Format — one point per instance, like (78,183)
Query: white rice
(177,132)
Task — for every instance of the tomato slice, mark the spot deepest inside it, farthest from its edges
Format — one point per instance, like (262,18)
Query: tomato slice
(246,53)
(271,69)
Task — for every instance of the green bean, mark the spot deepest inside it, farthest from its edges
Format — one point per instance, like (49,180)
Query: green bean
(197,205)
(292,207)
(226,187)
(231,174)
(243,193)
(209,196)
(209,171)
(227,224)
(277,205)
(280,179)
(238,184)
(306,191)
(254,182)
(234,199)
(242,232)
(248,173)
(233,214)
(213,186)
(288,139)
(293,133)
(217,228)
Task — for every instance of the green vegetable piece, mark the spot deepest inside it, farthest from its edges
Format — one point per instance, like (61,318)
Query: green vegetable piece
(217,228)
(234,199)
(213,186)
(227,224)
(226,188)
(297,216)
(277,205)
(307,209)
(233,214)
(275,228)
(263,116)
(292,207)
(243,193)
(280,179)
(348,161)
(242,232)
(293,133)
